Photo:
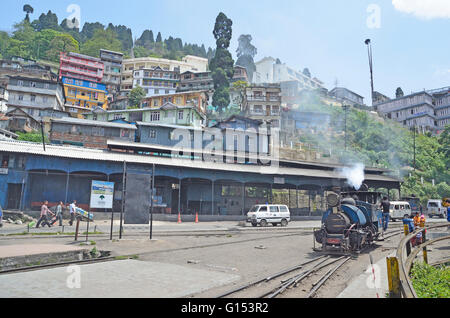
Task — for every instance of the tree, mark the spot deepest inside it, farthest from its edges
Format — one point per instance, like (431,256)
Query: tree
(124,35)
(159,38)
(399,92)
(246,53)
(240,87)
(28,9)
(46,21)
(221,65)
(89,30)
(136,96)
(306,72)
(146,40)
(102,39)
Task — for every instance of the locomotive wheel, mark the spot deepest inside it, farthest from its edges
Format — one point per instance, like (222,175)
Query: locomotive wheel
(263,223)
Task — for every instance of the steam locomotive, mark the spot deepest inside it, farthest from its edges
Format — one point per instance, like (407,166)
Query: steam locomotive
(351,223)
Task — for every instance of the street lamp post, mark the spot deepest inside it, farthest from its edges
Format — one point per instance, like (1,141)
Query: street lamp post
(369,50)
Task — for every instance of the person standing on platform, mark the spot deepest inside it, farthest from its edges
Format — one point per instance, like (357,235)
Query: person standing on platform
(385,205)
(73,208)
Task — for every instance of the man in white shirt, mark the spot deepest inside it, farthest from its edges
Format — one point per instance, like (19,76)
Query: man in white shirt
(72,208)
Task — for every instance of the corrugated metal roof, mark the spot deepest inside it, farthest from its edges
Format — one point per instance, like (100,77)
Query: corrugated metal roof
(87,122)
(101,155)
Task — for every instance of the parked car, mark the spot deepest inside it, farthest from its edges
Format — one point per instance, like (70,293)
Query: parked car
(399,209)
(435,208)
(263,214)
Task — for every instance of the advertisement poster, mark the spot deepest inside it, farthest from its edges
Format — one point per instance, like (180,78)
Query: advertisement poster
(102,194)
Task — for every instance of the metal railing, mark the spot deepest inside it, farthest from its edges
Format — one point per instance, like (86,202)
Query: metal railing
(399,267)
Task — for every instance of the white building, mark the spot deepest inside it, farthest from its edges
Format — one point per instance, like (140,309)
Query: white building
(188,63)
(269,71)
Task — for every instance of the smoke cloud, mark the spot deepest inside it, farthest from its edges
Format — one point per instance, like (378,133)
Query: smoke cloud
(354,175)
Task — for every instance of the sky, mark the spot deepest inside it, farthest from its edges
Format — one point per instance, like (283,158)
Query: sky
(410,38)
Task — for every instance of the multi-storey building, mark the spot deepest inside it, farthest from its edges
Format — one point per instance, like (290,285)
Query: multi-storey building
(193,81)
(188,63)
(263,102)
(82,96)
(81,67)
(34,94)
(442,107)
(167,114)
(112,73)
(346,96)
(88,133)
(3,99)
(156,81)
(197,99)
(415,110)
(269,70)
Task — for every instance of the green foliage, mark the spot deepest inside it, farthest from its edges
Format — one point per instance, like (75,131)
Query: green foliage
(222,64)
(102,39)
(246,52)
(136,96)
(33,137)
(431,282)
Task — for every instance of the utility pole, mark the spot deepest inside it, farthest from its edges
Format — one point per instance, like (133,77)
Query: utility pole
(369,50)
(42,132)
(345,107)
(152,198)
(414,147)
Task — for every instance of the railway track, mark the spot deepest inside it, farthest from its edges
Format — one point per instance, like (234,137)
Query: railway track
(293,277)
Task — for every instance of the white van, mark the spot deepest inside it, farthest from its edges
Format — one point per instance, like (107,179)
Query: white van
(264,214)
(399,209)
(435,207)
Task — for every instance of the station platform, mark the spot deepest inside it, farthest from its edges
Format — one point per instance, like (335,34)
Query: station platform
(22,255)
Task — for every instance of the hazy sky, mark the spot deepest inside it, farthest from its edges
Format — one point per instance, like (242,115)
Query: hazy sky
(410,38)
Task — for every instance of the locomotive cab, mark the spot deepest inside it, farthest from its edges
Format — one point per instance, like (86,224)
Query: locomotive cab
(349,224)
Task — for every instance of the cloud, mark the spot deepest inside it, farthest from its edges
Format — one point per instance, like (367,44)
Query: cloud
(424,9)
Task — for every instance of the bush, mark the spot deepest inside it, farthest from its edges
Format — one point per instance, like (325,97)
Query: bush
(431,282)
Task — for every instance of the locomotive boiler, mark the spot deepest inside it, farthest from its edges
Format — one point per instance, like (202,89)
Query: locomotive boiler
(350,224)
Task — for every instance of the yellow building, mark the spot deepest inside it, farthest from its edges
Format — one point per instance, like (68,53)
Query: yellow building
(197,99)
(82,96)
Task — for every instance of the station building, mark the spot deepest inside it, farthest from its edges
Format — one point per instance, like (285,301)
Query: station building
(218,189)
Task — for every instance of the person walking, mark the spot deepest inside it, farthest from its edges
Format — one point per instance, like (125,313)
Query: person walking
(1,216)
(59,213)
(72,209)
(385,205)
(44,215)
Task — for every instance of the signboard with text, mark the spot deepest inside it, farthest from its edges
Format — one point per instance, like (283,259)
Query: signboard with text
(102,195)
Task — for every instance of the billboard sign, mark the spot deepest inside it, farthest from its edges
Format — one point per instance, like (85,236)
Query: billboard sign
(102,195)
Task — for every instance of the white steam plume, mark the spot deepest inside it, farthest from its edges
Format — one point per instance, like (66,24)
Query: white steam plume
(354,174)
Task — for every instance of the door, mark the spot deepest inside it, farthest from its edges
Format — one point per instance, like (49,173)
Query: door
(14,196)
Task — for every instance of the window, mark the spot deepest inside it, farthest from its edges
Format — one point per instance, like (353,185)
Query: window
(98,131)
(32,84)
(283,208)
(45,99)
(20,83)
(124,133)
(155,102)
(156,91)
(273,209)
(155,116)
(20,97)
(118,116)
(180,115)
(152,134)
(47,85)
(263,209)
(33,98)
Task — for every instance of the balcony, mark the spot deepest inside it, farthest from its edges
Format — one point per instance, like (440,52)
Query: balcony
(264,98)
(72,60)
